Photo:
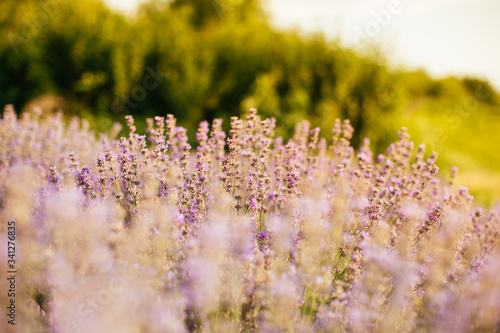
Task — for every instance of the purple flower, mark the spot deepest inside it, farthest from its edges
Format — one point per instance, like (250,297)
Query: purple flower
(462,190)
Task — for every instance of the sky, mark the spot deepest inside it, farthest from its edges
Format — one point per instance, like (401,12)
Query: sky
(444,37)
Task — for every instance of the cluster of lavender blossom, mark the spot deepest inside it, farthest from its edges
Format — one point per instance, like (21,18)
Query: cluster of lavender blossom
(245,233)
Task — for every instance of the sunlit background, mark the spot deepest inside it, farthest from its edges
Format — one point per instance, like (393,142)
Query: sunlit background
(430,66)
(446,37)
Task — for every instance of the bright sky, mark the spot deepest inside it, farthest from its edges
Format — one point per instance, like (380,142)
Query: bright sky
(445,37)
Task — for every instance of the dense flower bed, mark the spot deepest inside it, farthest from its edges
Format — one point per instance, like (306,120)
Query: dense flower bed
(243,233)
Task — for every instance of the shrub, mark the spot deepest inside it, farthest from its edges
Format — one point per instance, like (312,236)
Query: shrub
(248,233)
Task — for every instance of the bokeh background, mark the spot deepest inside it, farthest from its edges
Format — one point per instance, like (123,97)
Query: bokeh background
(433,67)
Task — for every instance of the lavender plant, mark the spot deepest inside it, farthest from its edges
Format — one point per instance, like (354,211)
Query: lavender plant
(247,234)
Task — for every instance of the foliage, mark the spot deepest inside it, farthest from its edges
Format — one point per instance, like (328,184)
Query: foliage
(213,58)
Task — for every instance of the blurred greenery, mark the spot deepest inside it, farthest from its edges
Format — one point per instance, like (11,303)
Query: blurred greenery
(202,59)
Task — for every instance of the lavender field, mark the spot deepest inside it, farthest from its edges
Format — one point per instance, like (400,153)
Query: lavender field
(243,233)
